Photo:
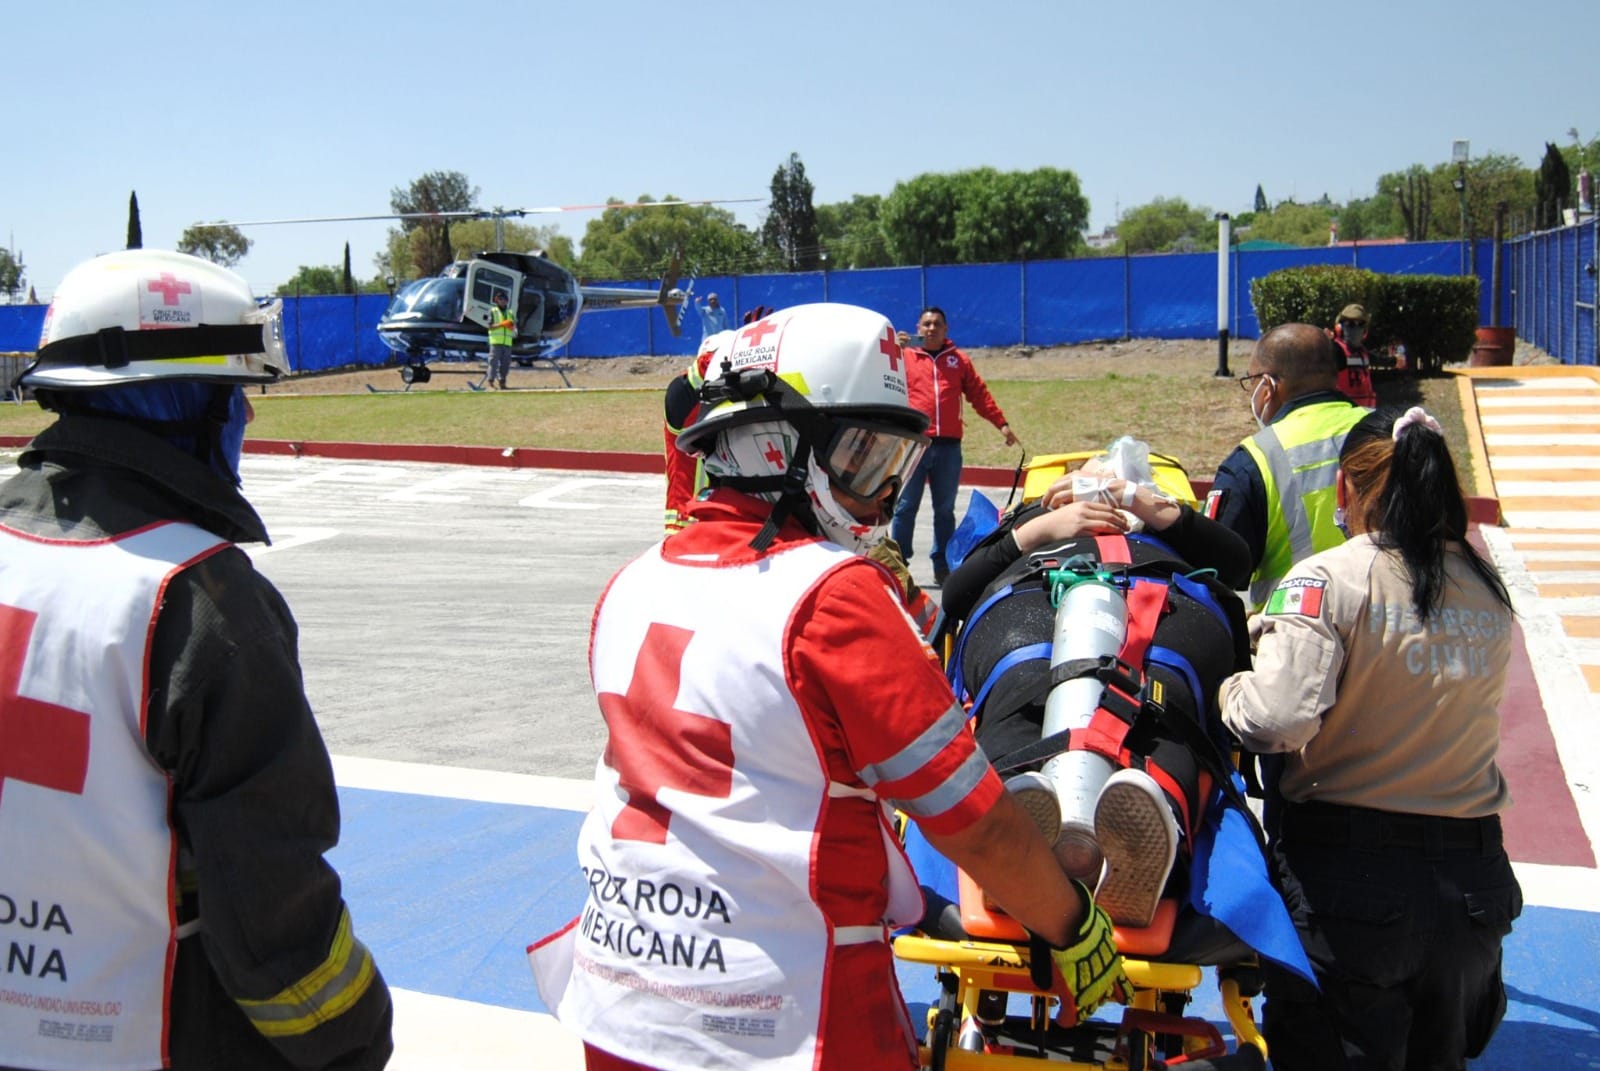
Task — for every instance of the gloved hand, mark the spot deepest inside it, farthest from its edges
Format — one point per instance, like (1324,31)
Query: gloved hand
(1090,965)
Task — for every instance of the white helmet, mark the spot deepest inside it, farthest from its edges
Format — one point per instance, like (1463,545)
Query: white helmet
(809,398)
(148,314)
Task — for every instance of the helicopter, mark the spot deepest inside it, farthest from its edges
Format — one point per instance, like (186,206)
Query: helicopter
(446,316)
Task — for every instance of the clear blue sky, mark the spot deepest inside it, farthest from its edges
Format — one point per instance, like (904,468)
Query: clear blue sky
(242,111)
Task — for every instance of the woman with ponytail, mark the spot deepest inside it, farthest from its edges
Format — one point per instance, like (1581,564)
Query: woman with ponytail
(1379,669)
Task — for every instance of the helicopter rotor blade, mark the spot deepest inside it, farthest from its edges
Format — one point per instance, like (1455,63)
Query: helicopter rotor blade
(346,219)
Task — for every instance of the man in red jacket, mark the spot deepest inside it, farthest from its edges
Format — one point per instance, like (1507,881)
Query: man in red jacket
(938,375)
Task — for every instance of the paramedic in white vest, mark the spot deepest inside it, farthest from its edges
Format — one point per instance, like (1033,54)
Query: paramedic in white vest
(165,795)
(1276,489)
(768,701)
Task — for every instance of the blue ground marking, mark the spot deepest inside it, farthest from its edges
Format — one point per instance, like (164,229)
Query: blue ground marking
(448,894)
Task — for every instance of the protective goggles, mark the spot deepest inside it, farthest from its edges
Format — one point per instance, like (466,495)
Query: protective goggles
(863,459)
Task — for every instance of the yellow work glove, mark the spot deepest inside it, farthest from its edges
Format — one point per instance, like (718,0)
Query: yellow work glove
(1090,965)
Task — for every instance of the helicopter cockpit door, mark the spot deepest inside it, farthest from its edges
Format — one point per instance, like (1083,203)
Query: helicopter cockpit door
(484,281)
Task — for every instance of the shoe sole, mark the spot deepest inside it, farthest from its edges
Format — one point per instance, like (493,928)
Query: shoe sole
(1039,803)
(1136,831)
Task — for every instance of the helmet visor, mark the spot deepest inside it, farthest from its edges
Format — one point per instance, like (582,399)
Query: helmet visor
(863,459)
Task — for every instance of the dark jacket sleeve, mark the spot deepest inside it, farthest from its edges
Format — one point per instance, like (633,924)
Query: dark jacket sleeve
(255,809)
(965,584)
(1206,544)
(1242,496)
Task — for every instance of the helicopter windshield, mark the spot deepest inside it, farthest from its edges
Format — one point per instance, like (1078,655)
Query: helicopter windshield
(428,299)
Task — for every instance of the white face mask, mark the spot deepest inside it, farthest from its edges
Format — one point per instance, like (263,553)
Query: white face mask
(1260,414)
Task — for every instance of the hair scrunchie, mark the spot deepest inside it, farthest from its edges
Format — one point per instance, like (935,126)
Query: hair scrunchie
(1416,415)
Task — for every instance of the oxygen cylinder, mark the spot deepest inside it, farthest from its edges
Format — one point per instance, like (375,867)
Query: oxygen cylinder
(1091,622)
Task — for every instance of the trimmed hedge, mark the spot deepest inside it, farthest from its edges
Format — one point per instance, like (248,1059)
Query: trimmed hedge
(1435,316)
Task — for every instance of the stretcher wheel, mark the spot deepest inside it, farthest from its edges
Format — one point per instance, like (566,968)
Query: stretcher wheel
(939,1038)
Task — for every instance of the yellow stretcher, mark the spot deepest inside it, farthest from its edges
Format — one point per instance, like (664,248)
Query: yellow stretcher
(1045,469)
(970,1027)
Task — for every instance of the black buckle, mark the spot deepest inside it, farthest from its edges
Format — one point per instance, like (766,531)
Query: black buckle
(112,346)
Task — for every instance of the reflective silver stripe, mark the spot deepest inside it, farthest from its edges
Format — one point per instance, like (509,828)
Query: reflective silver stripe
(321,996)
(952,791)
(1296,472)
(859,935)
(188,929)
(917,754)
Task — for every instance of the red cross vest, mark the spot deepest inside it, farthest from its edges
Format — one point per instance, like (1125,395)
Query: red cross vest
(700,943)
(87,852)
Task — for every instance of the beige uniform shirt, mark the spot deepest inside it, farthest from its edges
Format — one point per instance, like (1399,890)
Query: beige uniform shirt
(1376,708)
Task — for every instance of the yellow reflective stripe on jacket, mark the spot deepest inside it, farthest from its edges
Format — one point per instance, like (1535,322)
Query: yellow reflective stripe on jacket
(326,993)
(1298,457)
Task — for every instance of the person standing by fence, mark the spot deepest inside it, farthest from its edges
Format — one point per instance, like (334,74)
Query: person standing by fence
(939,376)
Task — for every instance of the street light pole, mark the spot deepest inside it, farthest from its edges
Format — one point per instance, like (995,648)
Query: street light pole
(1459,152)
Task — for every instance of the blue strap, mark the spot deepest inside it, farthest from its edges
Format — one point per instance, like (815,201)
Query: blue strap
(953,670)
(1030,653)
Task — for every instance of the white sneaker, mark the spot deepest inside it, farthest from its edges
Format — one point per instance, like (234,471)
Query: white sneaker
(1036,794)
(1134,826)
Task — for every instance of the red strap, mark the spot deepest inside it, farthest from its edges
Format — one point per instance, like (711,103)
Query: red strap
(1146,601)
(1113,549)
(1106,731)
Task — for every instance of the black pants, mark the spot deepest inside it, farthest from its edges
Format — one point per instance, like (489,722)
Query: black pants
(1402,916)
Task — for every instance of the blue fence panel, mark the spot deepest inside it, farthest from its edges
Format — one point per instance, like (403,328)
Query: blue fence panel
(982,302)
(327,332)
(1067,301)
(1173,296)
(895,292)
(1546,292)
(1587,298)
(20,327)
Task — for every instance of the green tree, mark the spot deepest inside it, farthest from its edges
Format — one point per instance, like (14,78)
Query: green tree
(312,280)
(1552,188)
(1367,218)
(1296,224)
(789,233)
(1020,215)
(218,243)
(1166,225)
(13,274)
(429,244)
(1412,190)
(918,219)
(1261,199)
(135,231)
(851,235)
(347,281)
(638,242)
(473,236)
(984,215)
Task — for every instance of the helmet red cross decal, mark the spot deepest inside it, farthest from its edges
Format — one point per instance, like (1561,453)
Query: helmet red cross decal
(773,455)
(169,286)
(889,346)
(652,745)
(40,743)
(757,331)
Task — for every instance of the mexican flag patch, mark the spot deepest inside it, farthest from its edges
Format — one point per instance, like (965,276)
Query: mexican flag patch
(1298,595)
